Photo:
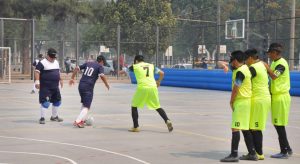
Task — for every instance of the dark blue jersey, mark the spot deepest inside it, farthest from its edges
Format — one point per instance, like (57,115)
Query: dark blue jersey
(49,73)
(91,72)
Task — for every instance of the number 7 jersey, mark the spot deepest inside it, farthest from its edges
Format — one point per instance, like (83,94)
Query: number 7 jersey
(144,74)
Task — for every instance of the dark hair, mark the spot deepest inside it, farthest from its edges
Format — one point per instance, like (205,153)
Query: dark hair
(139,58)
(40,56)
(275,47)
(238,55)
(102,58)
(251,53)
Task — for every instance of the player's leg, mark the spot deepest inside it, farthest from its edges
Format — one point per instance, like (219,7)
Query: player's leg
(280,112)
(250,146)
(235,140)
(45,103)
(86,100)
(138,101)
(56,102)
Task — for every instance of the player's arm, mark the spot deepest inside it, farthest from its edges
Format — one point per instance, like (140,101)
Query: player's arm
(39,67)
(72,80)
(279,69)
(237,83)
(161,76)
(103,78)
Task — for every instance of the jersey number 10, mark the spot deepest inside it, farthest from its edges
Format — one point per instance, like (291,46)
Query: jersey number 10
(88,71)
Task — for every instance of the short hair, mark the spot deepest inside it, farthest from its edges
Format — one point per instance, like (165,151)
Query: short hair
(102,58)
(251,53)
(238,55)
(275,47)
(139,58)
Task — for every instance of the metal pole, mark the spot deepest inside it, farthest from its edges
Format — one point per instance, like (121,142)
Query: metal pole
(218,32)
(157,46)
(248,17)
(118,49)
(77,43)
(2,32)
(32,46)
(292,35)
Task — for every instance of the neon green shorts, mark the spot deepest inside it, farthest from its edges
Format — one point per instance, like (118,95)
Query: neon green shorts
(241,114)
(260,108)
(148,96)
(280,109)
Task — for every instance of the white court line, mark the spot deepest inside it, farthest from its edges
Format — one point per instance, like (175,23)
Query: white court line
(69,144)
(49,155)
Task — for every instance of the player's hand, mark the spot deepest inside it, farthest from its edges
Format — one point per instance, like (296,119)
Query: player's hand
(158,83)
(71,82)
(226,69)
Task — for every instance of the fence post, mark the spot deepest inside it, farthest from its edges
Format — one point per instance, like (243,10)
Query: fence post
(32,47)
(157,46)
(2,32)
(292,35)
(118,49)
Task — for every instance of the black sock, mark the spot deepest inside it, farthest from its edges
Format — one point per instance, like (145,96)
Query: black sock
(235,140)
(135,116)
(282,137)
(249,141)
(258,141)
(163,114)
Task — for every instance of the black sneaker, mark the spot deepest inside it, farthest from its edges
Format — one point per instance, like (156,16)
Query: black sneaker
(249,157)
(169,125)
(42,120)
(56,119)
(230,158)
(280,156)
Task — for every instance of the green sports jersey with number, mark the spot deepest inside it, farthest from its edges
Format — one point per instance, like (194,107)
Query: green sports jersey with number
(242,102)
(146,92)
(261,98)
(282,83)
(144,73)
(281,99)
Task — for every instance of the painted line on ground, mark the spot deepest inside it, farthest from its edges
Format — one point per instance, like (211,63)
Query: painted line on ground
(41,154)
(69,144)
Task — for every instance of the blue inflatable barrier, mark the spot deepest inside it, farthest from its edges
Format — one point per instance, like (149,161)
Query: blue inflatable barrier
(209,79)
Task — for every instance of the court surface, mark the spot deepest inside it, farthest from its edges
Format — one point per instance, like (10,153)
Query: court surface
(201,120)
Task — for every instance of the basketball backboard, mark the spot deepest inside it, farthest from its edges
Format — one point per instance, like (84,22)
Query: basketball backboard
(235,29)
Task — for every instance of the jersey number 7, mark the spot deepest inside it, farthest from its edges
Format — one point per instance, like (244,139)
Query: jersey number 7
(147,68)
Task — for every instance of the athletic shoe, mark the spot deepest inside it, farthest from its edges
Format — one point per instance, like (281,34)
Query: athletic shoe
(42,120)
(249,157)
(280,156)
(32,92)
(56,119)
(260,157)
(169,125)
(79,125)
(230,158)
(134,130)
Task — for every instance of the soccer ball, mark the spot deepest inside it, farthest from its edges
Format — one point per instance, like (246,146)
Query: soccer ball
(89,121)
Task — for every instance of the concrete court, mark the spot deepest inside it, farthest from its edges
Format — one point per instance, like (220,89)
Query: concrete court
(201,120)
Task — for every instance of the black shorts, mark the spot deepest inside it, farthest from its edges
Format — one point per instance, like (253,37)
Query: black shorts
(86,97)
(49,94)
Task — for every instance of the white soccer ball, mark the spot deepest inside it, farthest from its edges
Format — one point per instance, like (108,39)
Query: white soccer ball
(89,121)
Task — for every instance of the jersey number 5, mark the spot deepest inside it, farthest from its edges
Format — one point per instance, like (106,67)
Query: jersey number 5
(147,68)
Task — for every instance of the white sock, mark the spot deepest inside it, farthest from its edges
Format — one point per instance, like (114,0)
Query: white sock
(82,114)
(54,111)
(34,89)
(43,111)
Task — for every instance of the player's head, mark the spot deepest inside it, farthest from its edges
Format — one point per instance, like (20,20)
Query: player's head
(274,50)
(236,58)
(250,56)
(40,56)
(52,53)
(101,59)
(138,58)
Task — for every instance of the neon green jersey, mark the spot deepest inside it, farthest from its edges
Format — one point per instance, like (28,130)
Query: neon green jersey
(260,85)
(245,89)
(144,73)
(282,83)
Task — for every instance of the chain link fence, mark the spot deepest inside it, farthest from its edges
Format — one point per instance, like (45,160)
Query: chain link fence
(81,42)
